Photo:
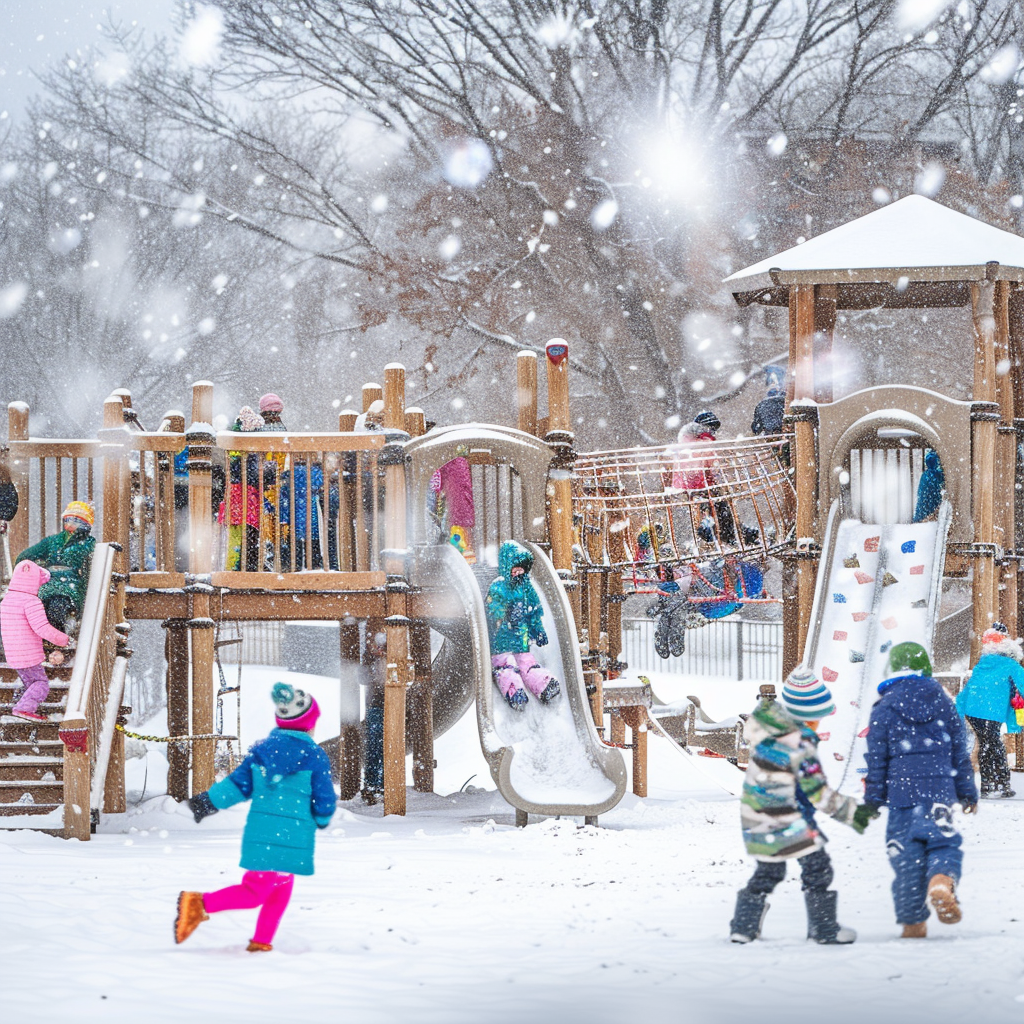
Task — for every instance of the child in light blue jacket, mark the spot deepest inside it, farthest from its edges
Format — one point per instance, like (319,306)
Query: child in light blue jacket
(288,778)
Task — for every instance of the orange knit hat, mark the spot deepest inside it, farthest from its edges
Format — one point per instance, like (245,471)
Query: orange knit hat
(80,510)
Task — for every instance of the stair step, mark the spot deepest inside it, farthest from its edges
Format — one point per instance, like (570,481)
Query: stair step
(32,768)
(53,672)
(47,707)
(11,810)
(31,748)
(41,792)
(16,730)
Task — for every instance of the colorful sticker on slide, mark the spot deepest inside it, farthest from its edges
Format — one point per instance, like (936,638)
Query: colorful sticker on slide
(917,570)
(839,634)
(871,543)
(830,675)
(839,598)
(861,616)
(908,546)
(862,577)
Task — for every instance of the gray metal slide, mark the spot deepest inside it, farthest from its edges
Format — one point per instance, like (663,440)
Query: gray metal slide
(547,759)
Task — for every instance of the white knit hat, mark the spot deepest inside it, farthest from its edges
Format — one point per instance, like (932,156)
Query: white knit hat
(805,697)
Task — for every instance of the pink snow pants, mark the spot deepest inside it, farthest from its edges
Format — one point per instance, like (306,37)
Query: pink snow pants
(513,671)
(269,890)
(37,688)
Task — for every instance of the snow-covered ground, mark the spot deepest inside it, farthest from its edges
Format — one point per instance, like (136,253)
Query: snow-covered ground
(453,915)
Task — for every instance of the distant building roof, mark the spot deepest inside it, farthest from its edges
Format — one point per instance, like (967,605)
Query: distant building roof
(914,238)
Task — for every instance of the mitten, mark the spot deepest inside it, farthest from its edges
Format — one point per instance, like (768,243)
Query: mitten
(863,816)
(969,807)
(201,806)
(321,822)
(540,638)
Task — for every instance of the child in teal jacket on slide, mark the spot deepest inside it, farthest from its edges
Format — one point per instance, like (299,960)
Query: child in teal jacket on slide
(288,778)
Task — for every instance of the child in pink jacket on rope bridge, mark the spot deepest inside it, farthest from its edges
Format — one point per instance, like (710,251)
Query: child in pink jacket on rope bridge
(515,617)
(23,628)
(454,483)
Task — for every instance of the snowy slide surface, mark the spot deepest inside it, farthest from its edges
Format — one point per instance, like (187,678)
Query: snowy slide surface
(547,759)
(878,585)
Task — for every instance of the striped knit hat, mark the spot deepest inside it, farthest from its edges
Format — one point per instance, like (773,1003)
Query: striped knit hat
(804,697)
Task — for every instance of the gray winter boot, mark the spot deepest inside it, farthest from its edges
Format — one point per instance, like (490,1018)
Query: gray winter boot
(749,916)
(822,926)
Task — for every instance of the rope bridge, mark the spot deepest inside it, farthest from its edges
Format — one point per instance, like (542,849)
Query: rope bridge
(653,511)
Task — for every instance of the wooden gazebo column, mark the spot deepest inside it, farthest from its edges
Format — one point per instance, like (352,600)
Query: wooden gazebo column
(802,331)
(1006,459)
(986,421)
(1015,335)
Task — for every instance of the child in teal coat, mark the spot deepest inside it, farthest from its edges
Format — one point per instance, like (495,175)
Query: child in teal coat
(288,778)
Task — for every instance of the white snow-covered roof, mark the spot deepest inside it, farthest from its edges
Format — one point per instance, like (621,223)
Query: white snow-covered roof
(915,238)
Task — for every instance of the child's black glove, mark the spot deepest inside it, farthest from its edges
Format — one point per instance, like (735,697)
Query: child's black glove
(201,806)
(863,816)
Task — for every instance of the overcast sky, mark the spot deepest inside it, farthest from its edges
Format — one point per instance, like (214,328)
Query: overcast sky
(34,33)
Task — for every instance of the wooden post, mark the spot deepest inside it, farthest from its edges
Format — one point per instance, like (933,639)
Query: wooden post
(17,430)
(349,764)
(415,422)
(636,719)
(984,434)
(559,434)
(615,602)
(1015,336)
(371,393)
(526,391)
(825,297)
(1006,459)
(394,396)
(176,653)
(201,564)
(802,303)
(422,710)
(395,682)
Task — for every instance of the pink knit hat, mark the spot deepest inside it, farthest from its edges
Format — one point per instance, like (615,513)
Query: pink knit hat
(271,403)
(294,708)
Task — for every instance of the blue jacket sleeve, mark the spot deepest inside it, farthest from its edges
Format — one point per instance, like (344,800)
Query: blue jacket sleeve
(497,603)
(534,613)
(966,790)
(235,788)
(324,799)
(876,785)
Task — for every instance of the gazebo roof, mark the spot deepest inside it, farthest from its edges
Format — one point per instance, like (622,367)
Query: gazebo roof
(915,238)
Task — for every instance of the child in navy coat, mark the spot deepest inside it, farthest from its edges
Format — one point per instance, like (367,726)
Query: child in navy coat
(918,764)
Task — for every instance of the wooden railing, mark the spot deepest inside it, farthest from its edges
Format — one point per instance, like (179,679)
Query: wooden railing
(94,701)
(301,511)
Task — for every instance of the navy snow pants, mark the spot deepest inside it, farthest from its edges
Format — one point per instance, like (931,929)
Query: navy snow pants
(921,842)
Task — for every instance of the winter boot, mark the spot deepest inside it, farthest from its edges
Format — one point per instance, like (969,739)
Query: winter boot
(258,947)
(915,931)
(749,916)
(29,716)
(550,692)
(1007,792)
(191,914)
(942,899)
(822,926)
(517,699)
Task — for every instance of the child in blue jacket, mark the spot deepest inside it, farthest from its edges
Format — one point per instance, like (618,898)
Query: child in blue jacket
(515,617)
(288,778)
(918,764)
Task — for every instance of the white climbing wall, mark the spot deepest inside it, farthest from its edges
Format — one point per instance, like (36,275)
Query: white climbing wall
(882,586)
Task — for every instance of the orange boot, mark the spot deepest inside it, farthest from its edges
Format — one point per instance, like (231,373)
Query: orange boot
(942,898)
(191,914)
(915,931)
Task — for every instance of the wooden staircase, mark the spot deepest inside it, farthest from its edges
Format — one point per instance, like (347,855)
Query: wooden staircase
(31,753)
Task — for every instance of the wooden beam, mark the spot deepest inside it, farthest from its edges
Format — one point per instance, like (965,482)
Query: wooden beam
(395,682)
(824,331)
(178,754)
(1006,459)
(371,393)
(526,392)
(985,604)
(1015,332)
(201,563)
(17,431)
(394,396)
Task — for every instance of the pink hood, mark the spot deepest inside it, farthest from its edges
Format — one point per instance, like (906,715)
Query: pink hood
(28,578)
(23,624)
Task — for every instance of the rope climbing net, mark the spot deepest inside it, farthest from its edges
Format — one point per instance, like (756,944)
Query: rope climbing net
(679,505)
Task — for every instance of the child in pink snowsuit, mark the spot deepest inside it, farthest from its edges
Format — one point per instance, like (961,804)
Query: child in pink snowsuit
(23,628)
(515,617)
(454,482)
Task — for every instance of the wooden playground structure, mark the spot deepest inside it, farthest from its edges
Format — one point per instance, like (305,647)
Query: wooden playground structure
(162,554)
